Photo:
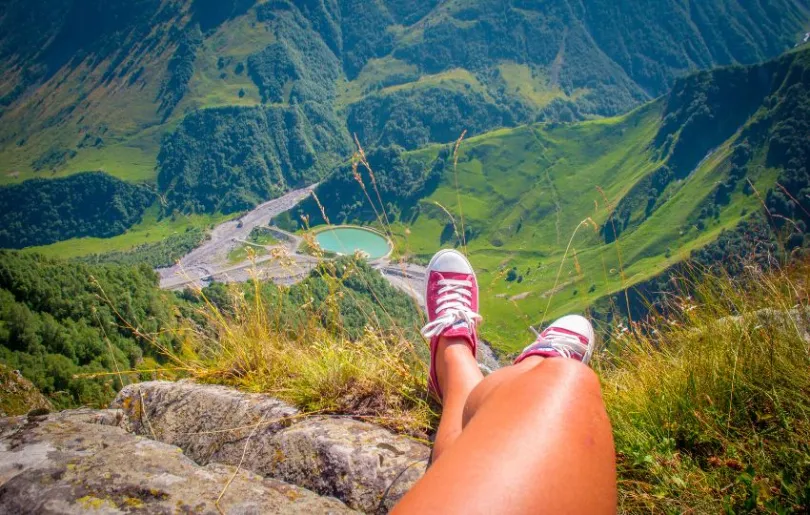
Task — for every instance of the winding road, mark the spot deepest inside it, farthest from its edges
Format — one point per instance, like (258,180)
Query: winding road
(209,261)
(283,264)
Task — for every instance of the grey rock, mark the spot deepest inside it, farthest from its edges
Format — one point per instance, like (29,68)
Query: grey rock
(211,423)
(366,466)
(488,361)
(65,463)
(104,417)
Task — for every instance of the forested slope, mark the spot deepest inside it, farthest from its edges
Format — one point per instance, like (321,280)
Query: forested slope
(119,86)
(76,330)
(633,195)
(60,321)
(222,105)
(39,211)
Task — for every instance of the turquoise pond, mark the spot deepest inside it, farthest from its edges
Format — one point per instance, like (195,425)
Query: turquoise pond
(347,240)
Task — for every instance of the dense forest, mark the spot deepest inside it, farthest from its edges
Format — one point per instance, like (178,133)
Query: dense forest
(42,211)
(71,327)
(229,159)
(60,321)
(642,47)
(413,118)
(399,179)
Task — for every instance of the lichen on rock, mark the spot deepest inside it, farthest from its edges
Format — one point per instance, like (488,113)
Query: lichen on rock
(79,461)
(366,466)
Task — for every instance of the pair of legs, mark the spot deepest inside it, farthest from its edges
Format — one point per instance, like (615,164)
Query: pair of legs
(529,438)
(533,437)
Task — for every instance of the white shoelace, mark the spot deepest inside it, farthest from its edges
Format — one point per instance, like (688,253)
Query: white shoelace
(453,305)
(565,344)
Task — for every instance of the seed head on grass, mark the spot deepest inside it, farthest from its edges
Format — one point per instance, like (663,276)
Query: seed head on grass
(311,361)
(710,402)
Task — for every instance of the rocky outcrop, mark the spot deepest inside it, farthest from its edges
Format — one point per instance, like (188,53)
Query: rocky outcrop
(85,460)
(18,395)
(366,466)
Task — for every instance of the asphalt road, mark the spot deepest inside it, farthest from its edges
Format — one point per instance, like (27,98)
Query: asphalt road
(209,261)
(282,264)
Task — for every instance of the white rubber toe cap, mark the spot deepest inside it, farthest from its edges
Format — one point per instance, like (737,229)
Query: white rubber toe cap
(450,260)
(577,324)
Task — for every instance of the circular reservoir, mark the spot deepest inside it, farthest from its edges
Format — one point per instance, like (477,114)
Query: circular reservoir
(347,240)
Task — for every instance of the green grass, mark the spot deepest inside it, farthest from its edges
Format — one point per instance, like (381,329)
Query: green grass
(709,404)
(456,78)
(527,192)
(259,239)
(124,115)
(126,161)
(150,230)
(243,251)
(262,237)
(368,83)
(307,356)
(213,86)
(375,73)
(532,86)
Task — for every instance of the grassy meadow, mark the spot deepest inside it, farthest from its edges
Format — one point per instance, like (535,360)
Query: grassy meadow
(533,199)
(152,229)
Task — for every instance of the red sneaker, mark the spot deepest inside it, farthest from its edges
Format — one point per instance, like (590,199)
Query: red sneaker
(568,337)
(451,296)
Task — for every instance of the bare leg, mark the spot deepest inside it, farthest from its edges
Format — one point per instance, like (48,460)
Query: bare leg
(492,382)
(539,441)
(458,375)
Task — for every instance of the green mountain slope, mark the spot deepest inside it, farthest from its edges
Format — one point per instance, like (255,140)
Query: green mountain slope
(39,211)
(631,195)
(105,86)
(77,330)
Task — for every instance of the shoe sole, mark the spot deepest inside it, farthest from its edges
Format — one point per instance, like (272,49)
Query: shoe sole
(430,267)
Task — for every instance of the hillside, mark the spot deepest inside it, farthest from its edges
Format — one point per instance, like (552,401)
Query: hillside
(644,163)
(221,104)
(73,329)
(557,216)
(708,408)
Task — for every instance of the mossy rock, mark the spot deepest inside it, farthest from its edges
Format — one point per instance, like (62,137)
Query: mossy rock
(19,396)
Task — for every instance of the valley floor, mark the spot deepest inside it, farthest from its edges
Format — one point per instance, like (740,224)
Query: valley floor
(282,265)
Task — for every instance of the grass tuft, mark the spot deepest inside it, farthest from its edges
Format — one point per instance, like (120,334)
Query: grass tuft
(316,365)
(710,404)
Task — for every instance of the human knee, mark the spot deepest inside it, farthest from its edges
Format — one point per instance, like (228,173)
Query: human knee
(576,375)
(483,390)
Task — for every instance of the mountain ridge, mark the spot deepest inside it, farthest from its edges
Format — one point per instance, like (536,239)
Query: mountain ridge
(244,100)
(176,56)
